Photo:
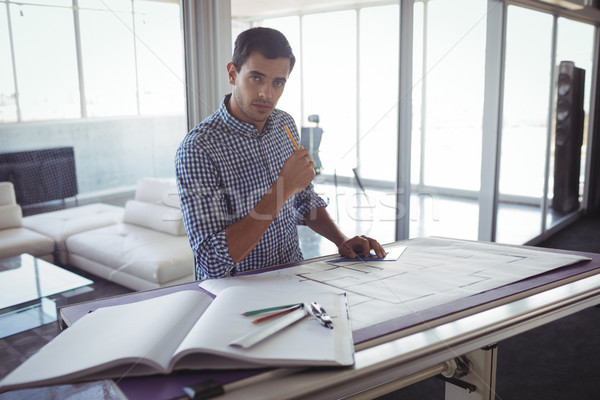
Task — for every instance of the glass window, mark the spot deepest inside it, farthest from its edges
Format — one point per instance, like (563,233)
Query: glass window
(526,91)
(109,64)
(160,63)
(418,113)
(575,42)
(358,107)
(46,62)
(48,85)
(447,111)
(378,111)
(8,100)
(52,3)
(291,99)
(105,5)
(329,85)
(453,95)
(527,82)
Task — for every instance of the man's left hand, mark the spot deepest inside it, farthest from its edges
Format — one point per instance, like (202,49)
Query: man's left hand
(361,246)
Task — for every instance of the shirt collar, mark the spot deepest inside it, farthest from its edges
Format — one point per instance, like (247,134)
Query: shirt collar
(240,126)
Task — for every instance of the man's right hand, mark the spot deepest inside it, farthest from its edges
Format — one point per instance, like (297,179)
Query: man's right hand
(298,172)
(243,235)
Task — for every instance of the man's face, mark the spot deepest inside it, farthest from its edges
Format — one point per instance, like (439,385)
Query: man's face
(257,87)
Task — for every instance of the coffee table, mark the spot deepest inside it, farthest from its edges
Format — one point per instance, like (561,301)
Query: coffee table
(29,288)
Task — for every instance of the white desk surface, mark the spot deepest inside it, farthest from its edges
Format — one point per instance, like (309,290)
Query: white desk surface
(488,318)
(425,349)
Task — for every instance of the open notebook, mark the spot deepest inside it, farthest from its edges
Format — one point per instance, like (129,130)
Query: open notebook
(187,330)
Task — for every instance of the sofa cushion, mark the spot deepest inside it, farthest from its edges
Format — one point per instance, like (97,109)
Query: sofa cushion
(17,241)
(11,216)
(157,191)
(61,224)
(154,216)
(148,254)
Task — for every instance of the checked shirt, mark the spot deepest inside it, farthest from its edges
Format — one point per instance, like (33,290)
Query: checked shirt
(224,167)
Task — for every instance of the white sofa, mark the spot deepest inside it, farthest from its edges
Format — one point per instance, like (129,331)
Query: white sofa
(16,239)
(59,225)
(149,249)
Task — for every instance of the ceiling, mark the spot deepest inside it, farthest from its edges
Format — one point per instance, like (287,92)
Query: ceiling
(244,9)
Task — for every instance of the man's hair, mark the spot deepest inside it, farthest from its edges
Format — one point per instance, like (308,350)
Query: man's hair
(269,42)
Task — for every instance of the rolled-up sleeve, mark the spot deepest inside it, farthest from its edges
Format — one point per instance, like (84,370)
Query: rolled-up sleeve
(205,212)
(305,201)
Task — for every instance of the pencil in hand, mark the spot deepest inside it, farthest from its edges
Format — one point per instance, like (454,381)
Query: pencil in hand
(291,137)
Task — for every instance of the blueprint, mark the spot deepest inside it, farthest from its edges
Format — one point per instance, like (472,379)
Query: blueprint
(430,272)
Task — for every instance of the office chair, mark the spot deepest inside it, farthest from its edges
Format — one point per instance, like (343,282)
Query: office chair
(310,138)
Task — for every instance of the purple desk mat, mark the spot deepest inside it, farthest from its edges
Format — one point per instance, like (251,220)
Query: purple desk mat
(170,387)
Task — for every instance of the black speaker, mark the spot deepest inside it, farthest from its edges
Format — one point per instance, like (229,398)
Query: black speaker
(568,137)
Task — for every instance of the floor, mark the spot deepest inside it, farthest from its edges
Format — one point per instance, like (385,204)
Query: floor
(15,349)
(526,370)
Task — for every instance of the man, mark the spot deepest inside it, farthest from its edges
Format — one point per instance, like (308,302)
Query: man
(243,186)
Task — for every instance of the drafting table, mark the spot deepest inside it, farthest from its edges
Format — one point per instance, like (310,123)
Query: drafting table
(407,348)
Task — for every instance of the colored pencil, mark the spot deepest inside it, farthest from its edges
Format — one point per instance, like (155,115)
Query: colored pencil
(264,310)
(277,314)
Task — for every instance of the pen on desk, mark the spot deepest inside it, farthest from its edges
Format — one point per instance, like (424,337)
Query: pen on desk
(291,137)
(265,310)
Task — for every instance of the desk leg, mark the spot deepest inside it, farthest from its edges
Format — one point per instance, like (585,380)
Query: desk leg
(482,374)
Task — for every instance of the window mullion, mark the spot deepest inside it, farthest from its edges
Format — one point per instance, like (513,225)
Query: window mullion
(135,59)
(550,126)
(492,120)
(357,105)
(14,63)
(82,97)
(404,119)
